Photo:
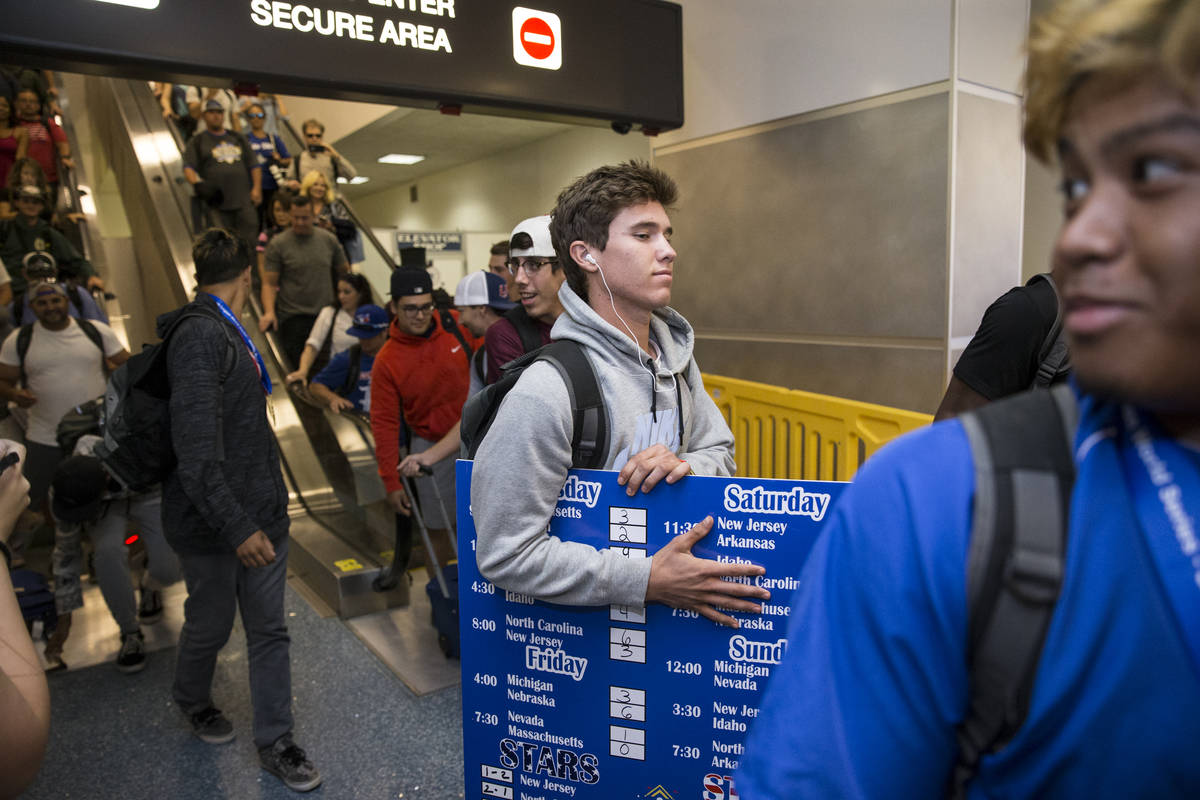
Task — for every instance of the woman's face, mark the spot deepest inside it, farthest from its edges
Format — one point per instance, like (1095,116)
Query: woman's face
(28,175)
(283,216)
(347,297)
(317,190)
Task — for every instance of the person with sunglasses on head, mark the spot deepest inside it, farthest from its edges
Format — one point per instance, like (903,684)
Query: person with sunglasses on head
(319,155)
(536,276)
(418,386)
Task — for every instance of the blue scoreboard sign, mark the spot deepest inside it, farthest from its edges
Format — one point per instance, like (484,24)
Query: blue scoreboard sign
(563,702)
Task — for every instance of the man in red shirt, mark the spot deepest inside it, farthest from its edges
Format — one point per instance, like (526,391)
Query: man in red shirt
(418,386)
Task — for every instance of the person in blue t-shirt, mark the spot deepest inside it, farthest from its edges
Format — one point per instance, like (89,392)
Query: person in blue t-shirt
(334,385)
(866,702)
(272,153)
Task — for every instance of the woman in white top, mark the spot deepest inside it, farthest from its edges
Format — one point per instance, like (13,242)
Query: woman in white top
(352,291)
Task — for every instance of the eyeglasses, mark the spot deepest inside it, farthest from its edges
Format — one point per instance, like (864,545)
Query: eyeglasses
(259,115)
(312,135)
(417,311)
(531,265)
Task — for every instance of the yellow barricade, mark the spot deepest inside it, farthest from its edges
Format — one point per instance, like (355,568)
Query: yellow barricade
(787,433)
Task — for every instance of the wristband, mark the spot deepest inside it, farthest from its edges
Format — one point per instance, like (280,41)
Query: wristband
(7,553)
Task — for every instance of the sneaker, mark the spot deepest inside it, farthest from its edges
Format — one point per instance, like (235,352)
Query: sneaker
(211,726)
(150,609)
(288,762)
(132,657)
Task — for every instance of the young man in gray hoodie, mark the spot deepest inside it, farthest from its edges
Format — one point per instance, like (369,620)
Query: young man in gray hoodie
(612,233)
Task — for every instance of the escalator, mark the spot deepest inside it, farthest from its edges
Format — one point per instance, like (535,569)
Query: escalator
(342,528)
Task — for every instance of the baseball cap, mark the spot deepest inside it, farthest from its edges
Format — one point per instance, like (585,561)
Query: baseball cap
(369,321)
(411,280)
(213,105)
(47,286)
(79,484)
(483,289)
(538,229)
(39,264)
(30,192)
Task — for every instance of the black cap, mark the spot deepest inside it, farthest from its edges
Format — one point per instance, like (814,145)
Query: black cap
(409,281)
(79,484)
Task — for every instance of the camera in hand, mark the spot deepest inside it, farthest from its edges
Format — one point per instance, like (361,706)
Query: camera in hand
(316,149)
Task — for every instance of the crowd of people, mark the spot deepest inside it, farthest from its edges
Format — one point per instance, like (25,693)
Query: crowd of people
(893,682)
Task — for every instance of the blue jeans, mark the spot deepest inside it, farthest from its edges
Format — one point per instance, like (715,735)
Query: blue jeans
(217,586)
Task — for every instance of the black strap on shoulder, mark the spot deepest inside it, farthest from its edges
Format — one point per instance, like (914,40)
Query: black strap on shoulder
(479,364)
(1024,472)
(450,325)
(90,331)
(24,337)
(526,328)
(1054,357)
(352,373)
(589,440)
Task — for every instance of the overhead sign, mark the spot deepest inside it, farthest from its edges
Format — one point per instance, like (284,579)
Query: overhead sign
(612,60)
(570,703)
(432,242)
(537,38)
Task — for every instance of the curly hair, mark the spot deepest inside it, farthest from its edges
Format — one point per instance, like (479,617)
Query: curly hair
(1118,40)
(585,209)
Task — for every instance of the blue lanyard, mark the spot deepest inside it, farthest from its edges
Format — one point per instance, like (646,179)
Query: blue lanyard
(1165,483)
(255,356)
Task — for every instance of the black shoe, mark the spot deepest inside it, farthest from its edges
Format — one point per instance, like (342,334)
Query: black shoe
(132,657)
(288,762)
(211,726)
(150,609)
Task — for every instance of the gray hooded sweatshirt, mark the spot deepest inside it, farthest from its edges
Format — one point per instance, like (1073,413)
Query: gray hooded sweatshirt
(522,463)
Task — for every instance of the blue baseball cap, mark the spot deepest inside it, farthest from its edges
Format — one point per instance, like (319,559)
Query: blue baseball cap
(368,321)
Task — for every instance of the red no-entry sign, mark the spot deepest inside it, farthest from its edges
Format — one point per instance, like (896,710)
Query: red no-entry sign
(537,38)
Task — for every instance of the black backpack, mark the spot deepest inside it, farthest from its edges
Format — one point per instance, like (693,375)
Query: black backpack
(1022,448)
(589,442)
(137,431)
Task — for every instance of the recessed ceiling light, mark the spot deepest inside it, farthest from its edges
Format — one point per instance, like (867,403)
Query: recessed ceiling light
(357,179)
(400,158)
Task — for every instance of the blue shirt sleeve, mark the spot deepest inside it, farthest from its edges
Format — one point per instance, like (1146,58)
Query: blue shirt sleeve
(874,681)
(334,375)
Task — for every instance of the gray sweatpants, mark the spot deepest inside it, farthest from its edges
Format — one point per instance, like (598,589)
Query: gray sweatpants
(218,585)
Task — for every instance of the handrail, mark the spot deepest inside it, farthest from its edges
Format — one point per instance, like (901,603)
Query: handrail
(787,433)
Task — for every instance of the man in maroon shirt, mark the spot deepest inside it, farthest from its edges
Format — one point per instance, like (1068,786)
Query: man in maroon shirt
(537,275)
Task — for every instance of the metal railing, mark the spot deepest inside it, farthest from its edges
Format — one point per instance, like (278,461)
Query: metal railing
(787,433)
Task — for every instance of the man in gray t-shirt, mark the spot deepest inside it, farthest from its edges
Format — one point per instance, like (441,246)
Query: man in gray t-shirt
(298,278)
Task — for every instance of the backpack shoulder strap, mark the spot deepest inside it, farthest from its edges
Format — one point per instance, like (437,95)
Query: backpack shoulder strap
(526,328)
(1054,357)
(352,372)
(90,331)
(479,364)
(589,441)
(451,325)
(1022,448)
(24,338)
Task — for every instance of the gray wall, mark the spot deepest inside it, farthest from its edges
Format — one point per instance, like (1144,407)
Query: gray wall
(813,254)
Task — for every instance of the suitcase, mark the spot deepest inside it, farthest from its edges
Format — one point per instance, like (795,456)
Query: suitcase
(442,588)
(443,610)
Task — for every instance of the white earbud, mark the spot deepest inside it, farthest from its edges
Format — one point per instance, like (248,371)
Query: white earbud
(588,258)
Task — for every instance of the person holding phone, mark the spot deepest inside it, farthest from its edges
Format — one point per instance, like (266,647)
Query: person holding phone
(319,156)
